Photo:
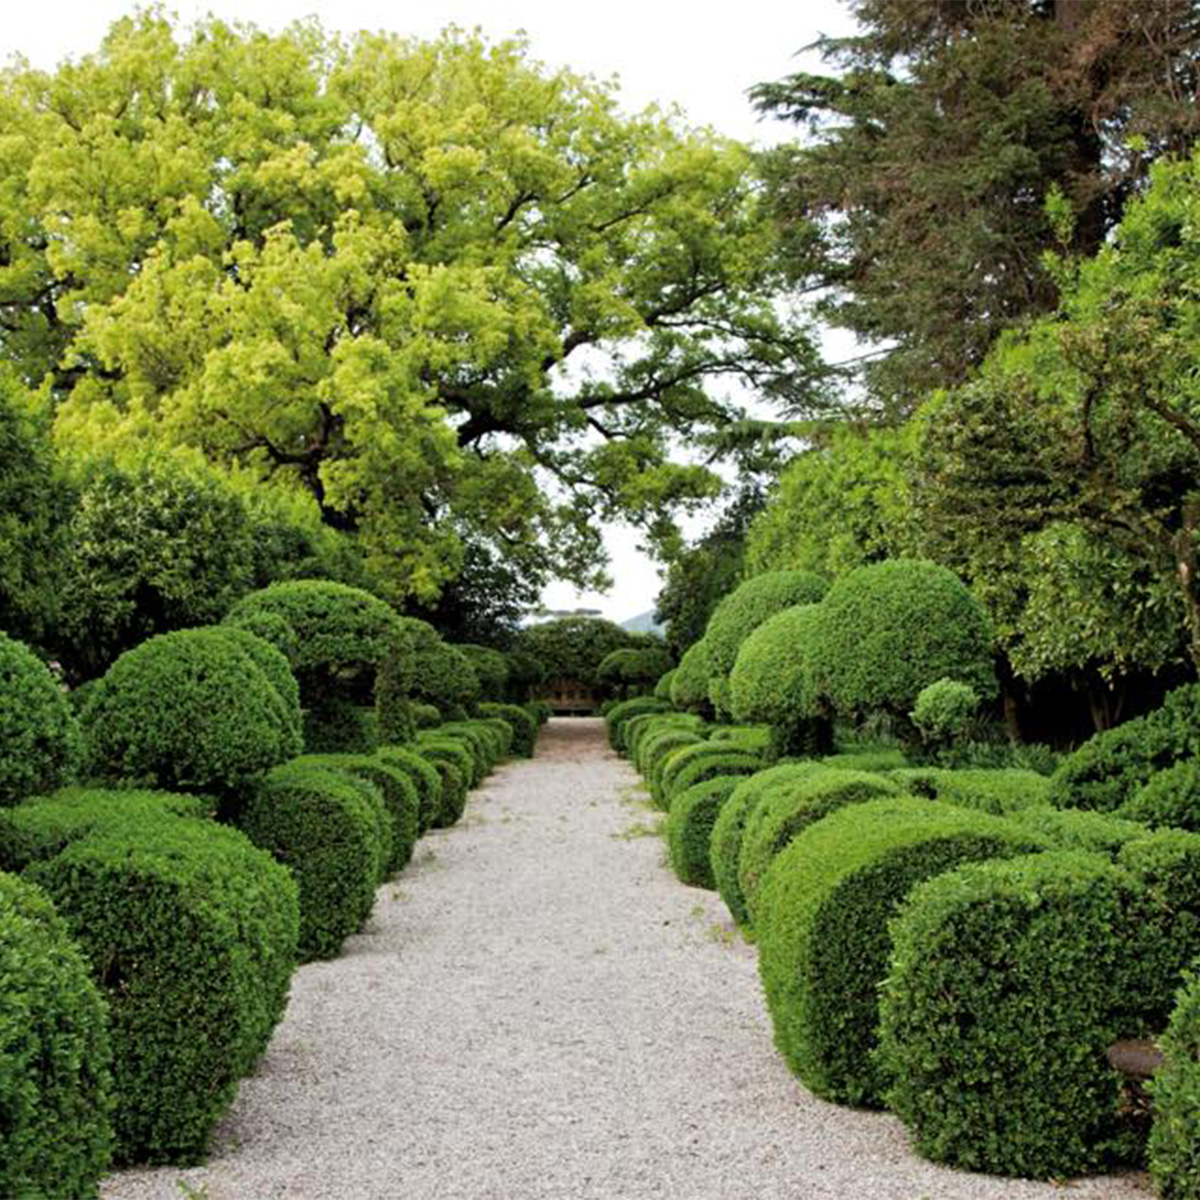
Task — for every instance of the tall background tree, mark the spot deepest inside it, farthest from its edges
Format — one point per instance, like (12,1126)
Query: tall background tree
(455,297)
(917,200)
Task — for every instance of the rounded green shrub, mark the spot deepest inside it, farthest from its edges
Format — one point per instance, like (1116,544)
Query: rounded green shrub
(274,665)
(891,760)
(689,687)
(190,710)
(574,647)
(523,724)
(657,753)
(823,912)
(1108,769)
(321,826)
(690,825)
(721,760)
(441,675)
(944,712)
(338,628)
(788,809)
(888,630)
(1008,983)
(55,1082)
(44,827)
(271,628)
(662,689)
(1170,797)
(620,713)
(423,775)
(457,765)
(641,733)
(426,716)
(399,794)
(39,735)
(771,679)
(740,613)
(1175,1135)
(478,749)
(190,933)
(725,845)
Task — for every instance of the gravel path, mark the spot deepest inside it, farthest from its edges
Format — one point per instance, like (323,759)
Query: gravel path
(539,1009)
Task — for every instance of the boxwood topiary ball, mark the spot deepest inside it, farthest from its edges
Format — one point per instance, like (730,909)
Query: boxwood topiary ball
(39,735)
(190,710)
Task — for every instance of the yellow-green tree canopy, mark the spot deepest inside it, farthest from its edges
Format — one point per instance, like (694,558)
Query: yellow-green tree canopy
(455,296)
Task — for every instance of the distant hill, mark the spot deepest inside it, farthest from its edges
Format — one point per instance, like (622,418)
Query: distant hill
(644,623)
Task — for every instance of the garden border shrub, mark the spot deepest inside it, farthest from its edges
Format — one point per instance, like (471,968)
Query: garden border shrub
(689,829)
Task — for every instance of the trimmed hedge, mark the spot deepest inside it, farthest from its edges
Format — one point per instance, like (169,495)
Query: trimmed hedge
(329,834)
(689,685)
(465,753)
(1108,769)
(39,734)
(721,761)
(424,776)
(523,724)
(786,810)
(649,738)
(997,792)
(1170,797)
(1175,1135)
(660,752)
(55,1079)
(740,613)
(441,675)
(191,936)
(456,765)
(622,712)
(662,689)
(868,760)
(426,716)
(46,826)
(481,742)
(823,937)
(888,630)
(399,795)
(772,679)
(725,845)
(1009,981)
(190,711)
(690,826)
(1073,830)
(337,628)
(273,664)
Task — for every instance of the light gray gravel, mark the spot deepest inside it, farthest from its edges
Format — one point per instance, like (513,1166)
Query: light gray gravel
(539,1009)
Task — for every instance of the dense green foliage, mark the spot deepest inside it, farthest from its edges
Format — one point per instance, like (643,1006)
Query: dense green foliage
(916,200)
(742,612)
(636,707)
(425,777)
(991,791)
(55,1083)
(400,797)
(491,671)
(574,647)
(1108,769)
(789,808)
(823,916)
(190,710)
(35,505)
(1009,981)
(719,759)
(422,665)
(1175,1136)
(457,764)
(633,672)
(159,545)
(689,687)
(39,735)
(328,834)
(340,726)
(190,932)
(725,845)
(523,724)
(888,630)
(690,825)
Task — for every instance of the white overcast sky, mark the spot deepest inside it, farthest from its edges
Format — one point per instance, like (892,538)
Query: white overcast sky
(701,57)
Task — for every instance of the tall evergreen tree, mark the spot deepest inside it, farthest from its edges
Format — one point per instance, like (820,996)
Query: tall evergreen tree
(919,200)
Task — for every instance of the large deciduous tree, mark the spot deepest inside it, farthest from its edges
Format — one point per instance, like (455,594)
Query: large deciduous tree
(440,287)
(918,200)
